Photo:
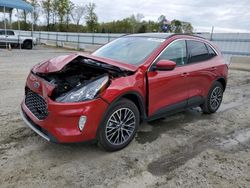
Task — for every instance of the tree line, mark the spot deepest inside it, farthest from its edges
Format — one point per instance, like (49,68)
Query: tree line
(65,16)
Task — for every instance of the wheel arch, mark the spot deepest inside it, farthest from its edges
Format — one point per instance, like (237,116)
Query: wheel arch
(27,40)
(223,82)
(137,99)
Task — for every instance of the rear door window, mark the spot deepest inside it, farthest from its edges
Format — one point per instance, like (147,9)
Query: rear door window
(198,51)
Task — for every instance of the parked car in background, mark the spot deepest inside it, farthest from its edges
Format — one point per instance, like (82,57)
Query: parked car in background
(106,95)
(10,37)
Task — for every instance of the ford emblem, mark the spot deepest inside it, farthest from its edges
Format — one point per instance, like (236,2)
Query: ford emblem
(36,85)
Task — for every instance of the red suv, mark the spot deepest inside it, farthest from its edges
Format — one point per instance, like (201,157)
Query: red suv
(106,95)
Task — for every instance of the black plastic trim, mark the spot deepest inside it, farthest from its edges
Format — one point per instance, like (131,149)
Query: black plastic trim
(177,107)
(168,110)
(142,107)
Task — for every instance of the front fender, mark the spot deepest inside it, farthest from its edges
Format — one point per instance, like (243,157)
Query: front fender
(122,85)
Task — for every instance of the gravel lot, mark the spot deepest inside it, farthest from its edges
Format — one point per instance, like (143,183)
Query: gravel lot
(185,150)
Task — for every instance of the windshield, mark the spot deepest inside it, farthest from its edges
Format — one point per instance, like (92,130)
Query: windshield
(130,50)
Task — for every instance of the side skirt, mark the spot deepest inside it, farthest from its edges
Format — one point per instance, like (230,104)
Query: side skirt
(175,108)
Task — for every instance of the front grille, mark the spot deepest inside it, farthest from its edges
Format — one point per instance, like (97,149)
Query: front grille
(36,104)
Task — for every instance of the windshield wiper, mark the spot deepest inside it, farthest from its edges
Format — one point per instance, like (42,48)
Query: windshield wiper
(92,62)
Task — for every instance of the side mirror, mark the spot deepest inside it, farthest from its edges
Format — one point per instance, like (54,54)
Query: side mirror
(165,65)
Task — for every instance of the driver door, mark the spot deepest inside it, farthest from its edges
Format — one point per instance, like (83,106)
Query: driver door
(168,90)
(11,37)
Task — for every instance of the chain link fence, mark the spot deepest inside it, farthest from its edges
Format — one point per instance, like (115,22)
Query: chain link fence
(231,44)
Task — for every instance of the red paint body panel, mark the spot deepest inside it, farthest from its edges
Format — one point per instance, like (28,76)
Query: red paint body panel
(203,74)
(57,63)
(45,88)
(63,118)
(166,88)
(62,121)
(134,83)
(54,64)
(158,89)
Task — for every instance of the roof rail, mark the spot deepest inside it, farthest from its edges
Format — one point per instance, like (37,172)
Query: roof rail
(187,34)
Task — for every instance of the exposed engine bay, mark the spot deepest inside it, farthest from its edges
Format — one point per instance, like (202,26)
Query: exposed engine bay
(78,73)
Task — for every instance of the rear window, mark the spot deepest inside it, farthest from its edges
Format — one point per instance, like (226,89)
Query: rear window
(2,32)
(10,33)
(198,51)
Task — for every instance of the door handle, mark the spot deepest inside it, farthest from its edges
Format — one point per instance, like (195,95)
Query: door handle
(185,74)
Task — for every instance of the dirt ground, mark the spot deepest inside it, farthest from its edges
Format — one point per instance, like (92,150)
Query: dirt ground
(188,149)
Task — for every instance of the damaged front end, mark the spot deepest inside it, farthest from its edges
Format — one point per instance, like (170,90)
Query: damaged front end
(80,79)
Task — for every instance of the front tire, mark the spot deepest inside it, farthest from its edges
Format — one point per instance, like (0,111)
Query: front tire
(214,98)
(14,45)
(119,125)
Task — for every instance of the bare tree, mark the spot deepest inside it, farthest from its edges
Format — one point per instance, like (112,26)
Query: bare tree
(139,17)
(69,10)
(47,8)
(78,13)
(91,17)
(23,16)
(54,10)
(36,10)
(135,20)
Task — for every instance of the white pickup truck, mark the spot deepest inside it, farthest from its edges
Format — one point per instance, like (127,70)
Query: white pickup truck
(10,37)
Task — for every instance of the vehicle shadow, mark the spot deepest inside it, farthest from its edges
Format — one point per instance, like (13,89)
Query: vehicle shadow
(147,133)
(40,149)
(150,131)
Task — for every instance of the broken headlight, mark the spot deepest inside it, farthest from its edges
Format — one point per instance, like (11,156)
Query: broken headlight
(86,92)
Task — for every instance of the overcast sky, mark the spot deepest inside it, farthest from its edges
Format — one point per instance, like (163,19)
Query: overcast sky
(225,15)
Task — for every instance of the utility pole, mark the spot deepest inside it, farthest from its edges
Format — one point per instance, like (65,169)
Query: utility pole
(212,32)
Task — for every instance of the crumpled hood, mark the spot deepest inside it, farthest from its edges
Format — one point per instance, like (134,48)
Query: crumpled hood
(56,64)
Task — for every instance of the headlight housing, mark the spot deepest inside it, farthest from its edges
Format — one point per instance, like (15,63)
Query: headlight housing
(86,92)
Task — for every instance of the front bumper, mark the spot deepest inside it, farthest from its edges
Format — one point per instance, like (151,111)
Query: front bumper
(61,124)
(36,128)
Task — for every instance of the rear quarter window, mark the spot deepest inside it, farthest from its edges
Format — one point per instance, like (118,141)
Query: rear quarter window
(211,52)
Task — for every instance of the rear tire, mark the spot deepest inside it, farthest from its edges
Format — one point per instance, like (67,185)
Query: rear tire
(28,45)
(214,98)
(119,126)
